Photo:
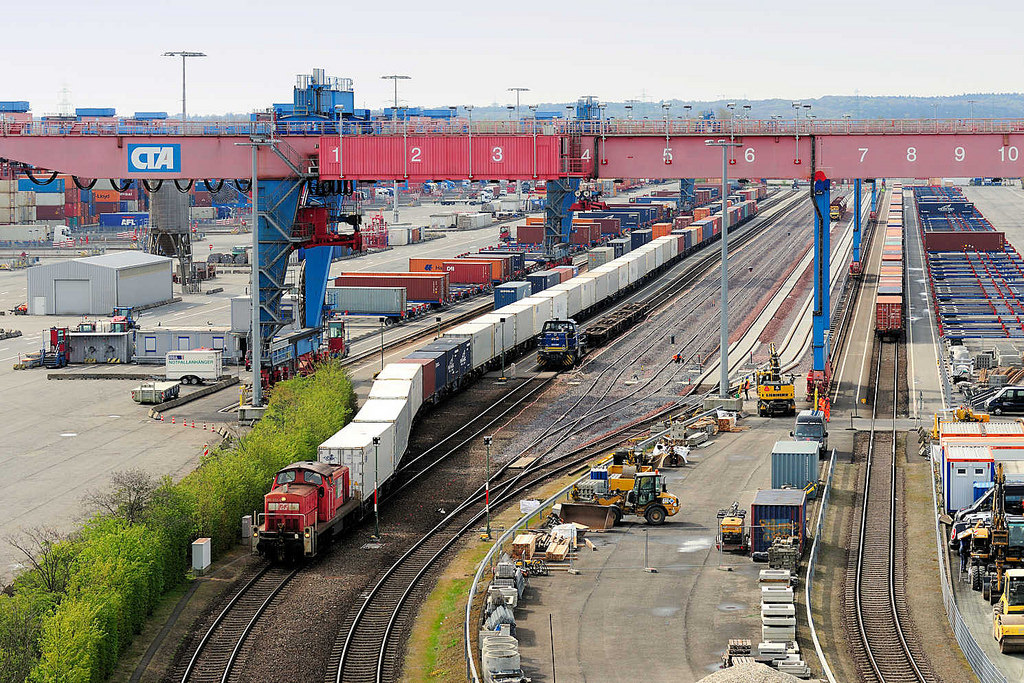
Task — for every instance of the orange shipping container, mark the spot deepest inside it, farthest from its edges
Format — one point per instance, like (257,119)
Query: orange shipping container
(106,195)
(660,230)
(535,220)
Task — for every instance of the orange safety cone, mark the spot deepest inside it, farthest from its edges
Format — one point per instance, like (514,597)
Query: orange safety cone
(161,418)
(172,419)
(193,424)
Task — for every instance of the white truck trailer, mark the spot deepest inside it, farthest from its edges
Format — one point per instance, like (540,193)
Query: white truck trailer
(192,367)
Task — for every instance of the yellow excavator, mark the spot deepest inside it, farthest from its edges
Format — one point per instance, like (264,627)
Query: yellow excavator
(775,394)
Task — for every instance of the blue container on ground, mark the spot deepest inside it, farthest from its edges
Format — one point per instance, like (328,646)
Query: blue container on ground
(776,513)
(794,464)
(511,292)
(125,220)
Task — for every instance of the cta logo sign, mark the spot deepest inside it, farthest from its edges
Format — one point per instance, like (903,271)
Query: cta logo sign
(154,158)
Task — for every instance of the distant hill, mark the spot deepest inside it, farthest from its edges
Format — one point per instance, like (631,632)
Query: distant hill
(986,105)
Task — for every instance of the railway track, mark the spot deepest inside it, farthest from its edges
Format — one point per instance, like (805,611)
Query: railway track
(214,659)
(884,651)
(371,647)
(376,656)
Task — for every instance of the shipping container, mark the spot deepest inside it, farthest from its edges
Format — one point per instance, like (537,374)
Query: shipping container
(528,321)
(353,446)
(776,513)
(438,364)
(502,269)
(504,326)
(460,271)
(794,464)
(385,411)
(399,373)
(458,355)
(511,292)
(124,220)
(599,257)
(559,303)
(621,245)
(386,301)
(888,314)
(544,309)
(421,287)
(427,373)
(574,297)
(481,339)
(543,280)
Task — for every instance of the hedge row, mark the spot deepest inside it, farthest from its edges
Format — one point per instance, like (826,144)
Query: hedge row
(70,619)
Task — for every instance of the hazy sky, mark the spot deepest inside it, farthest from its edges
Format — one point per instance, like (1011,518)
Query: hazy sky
(108,54)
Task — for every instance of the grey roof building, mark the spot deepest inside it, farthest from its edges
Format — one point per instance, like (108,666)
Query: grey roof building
(95,284)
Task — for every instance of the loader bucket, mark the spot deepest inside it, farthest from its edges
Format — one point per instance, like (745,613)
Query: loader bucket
(597,517)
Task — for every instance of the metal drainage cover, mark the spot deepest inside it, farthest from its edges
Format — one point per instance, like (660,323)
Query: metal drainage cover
(372,546)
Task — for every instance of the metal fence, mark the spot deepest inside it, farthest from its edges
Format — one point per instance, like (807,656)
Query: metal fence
(822,509)
(984,669)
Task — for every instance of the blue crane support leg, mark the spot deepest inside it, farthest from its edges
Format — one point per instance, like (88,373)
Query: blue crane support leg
(561,194)
(686,194)
(820,369)
(278,203)
(874,196)
(856,220)
(318,266)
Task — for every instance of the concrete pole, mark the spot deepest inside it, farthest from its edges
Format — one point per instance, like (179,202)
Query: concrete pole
(256,350)
(723,390)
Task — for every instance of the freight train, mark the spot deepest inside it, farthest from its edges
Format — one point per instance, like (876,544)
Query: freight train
(890,298)
(360,460)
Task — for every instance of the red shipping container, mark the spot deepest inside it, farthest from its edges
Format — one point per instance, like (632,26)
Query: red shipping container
(429,375)
(200,198)
(71,210)
(130,194)
(565,272)
(107,207)
(506,263)
(610,226)
(888,315)
(530,234)
(50,213)
(465,272)
(424,287)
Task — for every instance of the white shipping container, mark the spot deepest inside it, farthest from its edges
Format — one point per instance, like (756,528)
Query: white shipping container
(481,340)
(25,214)
(470,221)
(635,263)
(395,390)
(544,308)
(559,303)
(574,300)
(49,199)
(353,446)
(619,269)
(132,205)
(398,413)
(519,319)
(442,220)
(588,284)
(25,233)
(367,300)
(404,372)
(398,236)
(8,186)
(193,365)
(203,213)
(25,199)
(526,320)
(504,333)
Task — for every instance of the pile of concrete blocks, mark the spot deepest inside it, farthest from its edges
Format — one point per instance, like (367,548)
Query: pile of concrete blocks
(499,648)
(778,623)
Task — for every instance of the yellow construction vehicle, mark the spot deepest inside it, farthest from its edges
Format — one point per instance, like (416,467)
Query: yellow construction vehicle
(1008,614)
(732,529)
(775,394)
(628,493)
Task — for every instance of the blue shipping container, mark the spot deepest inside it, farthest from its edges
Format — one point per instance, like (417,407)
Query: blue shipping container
(53,187)
(794,464)
(511,292)
(126,220)
(14,107)
(639,238)
(95,112)
(776,513)
(542,280)
(621,245)
(458,355)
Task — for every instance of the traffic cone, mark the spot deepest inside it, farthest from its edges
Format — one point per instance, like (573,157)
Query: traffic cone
(161,418)
(172,419)
(193,424)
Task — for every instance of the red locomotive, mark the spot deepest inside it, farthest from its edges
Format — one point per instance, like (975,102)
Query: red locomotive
(307,504)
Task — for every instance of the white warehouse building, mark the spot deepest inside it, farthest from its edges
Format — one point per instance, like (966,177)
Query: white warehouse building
(96,284)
